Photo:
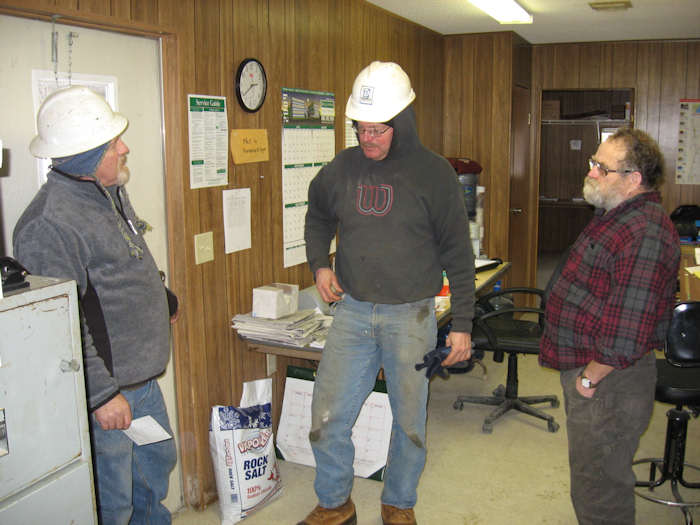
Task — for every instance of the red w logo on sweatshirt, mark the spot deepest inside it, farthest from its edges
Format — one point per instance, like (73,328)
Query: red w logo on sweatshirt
(374,200)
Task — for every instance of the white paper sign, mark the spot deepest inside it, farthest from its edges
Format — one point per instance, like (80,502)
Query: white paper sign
(236,219)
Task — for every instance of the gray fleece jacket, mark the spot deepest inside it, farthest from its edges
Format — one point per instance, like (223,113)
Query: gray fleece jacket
(400,222)
(70,230)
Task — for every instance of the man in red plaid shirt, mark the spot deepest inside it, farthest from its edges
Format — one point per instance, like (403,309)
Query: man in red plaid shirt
(608,307)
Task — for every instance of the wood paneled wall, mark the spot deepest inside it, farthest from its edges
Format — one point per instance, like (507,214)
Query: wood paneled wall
(660,72)
(480,71)
(561,168)
(322,45)
(309,44)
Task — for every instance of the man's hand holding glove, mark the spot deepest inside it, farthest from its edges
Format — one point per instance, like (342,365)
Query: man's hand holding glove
(432,361)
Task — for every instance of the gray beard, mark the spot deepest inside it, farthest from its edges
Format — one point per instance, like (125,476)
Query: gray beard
(124,175)
(593,196)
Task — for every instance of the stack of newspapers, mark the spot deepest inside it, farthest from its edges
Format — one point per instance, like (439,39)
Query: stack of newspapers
(301,328)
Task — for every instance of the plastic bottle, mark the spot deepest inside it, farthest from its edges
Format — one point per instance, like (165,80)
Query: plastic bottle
(469,181)
(445,285)
(442,299)
(502,301)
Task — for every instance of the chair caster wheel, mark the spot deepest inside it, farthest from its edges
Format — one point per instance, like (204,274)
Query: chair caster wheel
(458,405)
(552,426)
(555,403)
(487,428)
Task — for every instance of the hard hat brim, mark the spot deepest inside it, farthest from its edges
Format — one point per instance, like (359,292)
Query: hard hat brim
(43,149)
(362,113)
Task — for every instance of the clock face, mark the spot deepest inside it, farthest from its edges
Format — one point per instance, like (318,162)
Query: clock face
(251,84)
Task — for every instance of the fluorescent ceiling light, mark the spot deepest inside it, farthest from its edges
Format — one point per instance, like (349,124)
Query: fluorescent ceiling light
(609,5)
(504,11)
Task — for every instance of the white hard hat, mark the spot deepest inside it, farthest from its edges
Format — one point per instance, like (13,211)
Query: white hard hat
(380,92)
(72,121)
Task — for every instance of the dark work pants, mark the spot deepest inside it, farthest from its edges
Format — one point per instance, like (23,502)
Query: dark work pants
(604,434)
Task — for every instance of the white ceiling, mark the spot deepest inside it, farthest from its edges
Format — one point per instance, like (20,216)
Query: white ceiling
(559,20)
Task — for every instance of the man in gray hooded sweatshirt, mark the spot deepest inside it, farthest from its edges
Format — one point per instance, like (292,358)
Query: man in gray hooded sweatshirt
(399,215)
(81,226)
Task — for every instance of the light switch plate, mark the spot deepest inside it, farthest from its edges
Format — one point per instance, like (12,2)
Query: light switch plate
(203,247)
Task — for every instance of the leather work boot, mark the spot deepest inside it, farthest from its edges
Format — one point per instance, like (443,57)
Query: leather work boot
(343,515)
(396,516)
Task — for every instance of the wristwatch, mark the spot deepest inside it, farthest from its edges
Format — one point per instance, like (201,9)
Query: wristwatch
(586,382)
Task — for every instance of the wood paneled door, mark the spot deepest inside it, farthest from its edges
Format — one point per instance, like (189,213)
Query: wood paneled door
(522,232)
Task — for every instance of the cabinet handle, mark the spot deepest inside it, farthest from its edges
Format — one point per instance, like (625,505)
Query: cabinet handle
(516,211)
(70,366)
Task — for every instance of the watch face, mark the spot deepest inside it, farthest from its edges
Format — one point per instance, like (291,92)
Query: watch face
(251,84)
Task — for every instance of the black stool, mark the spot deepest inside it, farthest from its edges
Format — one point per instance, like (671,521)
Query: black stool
(678,383)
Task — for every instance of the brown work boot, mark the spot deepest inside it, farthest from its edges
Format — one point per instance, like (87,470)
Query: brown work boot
(343,515)
(396,516)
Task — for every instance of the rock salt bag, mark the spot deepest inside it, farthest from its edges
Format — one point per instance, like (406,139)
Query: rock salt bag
(242,449)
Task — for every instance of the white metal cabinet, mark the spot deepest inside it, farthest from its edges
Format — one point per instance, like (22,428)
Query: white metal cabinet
(45,461)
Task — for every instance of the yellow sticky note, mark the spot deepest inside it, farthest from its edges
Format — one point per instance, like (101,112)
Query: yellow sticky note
(249,145)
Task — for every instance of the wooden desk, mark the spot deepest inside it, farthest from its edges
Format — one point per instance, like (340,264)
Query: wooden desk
(483,282)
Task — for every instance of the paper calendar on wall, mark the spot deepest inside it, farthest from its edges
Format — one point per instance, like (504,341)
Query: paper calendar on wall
(308,143)
(688,161)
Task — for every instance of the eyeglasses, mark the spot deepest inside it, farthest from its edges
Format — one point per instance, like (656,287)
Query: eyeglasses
(594,164)
(372,132)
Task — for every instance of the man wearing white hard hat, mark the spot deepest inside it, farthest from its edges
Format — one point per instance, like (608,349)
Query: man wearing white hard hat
(399,214)
(81,226)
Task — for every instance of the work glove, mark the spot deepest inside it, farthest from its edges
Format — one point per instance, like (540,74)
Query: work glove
(431,362)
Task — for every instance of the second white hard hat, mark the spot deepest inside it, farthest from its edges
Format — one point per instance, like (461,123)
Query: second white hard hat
(380,92)
(72,121)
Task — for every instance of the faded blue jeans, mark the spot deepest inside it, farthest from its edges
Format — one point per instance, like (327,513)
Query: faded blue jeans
(363,338)
(132,480)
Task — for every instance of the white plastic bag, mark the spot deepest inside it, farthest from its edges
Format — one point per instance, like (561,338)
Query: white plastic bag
(242,449)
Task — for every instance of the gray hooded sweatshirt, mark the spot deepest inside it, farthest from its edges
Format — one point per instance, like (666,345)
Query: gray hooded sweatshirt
(400,222)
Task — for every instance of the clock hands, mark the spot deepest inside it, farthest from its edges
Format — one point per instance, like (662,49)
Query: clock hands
(249,88)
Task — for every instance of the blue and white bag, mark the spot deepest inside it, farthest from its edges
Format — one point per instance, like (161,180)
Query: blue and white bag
(242,449)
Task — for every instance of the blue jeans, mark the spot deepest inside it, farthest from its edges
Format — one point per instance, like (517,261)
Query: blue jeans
(363,338)
(132,480)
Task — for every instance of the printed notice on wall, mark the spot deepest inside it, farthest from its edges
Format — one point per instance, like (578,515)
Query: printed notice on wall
(308,143)
(208,139)
(688,161)
(236,220)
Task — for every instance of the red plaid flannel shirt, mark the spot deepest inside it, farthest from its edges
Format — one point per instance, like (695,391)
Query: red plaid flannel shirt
(612,300)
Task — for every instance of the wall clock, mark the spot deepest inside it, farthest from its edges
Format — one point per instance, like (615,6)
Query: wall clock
(251,84)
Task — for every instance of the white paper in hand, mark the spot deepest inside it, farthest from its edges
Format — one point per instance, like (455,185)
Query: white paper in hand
(145,430)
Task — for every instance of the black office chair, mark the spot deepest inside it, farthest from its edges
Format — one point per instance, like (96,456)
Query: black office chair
(678,383)
(498,328)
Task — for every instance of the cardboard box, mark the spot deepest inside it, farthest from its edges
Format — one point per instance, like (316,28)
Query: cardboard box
(551,110)
(275,300)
